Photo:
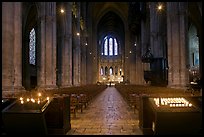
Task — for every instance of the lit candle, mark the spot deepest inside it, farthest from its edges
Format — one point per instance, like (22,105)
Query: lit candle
(33,100)
(21,98)
(162,102)
(190,105)
(22,101)
(39,94)
(28,99)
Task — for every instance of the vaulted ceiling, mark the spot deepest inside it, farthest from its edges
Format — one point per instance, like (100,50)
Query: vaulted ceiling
(109,18)
(110,23)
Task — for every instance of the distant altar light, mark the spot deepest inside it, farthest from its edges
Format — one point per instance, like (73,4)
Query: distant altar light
(160,7)
(62,11)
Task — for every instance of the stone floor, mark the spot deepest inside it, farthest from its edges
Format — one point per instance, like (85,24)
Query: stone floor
(107,114)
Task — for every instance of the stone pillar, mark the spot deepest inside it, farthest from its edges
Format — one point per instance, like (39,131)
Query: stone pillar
(145,42)
(94,71)
(177,45)
(131,53)
(126,63)
(89,60)
(66,80)
(77,51)
(11,47)
(83,45)
(157,30)
(47,74)
(139,65)
(83,65)
(41,69)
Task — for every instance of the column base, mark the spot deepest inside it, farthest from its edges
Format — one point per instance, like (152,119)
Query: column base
(177,86)
(47,87)
(65,86)
(12,91)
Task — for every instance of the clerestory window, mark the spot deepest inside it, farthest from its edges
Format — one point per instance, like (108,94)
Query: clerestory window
(32,47)
(110,46)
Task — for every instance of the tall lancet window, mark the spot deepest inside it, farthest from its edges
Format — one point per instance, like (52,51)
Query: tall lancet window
(106,47)
(101,71)
(115,47)
(32,44)
(110,46)
(111,71)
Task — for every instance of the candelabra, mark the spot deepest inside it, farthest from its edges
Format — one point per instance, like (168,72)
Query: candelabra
(172,102)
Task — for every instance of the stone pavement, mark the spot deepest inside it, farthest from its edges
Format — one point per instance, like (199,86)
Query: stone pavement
(107,114)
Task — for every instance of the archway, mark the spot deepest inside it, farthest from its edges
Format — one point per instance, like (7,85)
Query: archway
(110,36)
(193,46)
(29,50)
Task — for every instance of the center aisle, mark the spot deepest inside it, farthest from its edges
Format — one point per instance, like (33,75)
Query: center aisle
(107,114)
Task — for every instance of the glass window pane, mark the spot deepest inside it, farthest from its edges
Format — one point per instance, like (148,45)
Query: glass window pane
(111,71)
(32,47)
(101,71)
(111,46)
(115,47)
(106,47)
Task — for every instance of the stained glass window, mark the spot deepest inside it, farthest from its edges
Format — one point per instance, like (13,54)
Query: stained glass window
(193,47)
(115,47)
(106,47)
(111,46)
(32,44)
(101,71)
(111,71)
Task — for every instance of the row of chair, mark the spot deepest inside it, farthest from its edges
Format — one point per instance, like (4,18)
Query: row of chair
(132,93)
(80,96)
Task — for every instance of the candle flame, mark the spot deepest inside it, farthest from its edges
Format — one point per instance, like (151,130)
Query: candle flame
(39,94)
(22,101)
(172,102)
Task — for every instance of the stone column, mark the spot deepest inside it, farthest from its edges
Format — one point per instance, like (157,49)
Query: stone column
(145,42)
(177,45)
(77,51)
(66,80)
(41,26)
(139,65)
(126,62)
(94,71)
(89,60)
(18,46)
(132,60)
(83,45)
(47,73)
(11,47)
(157,30)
